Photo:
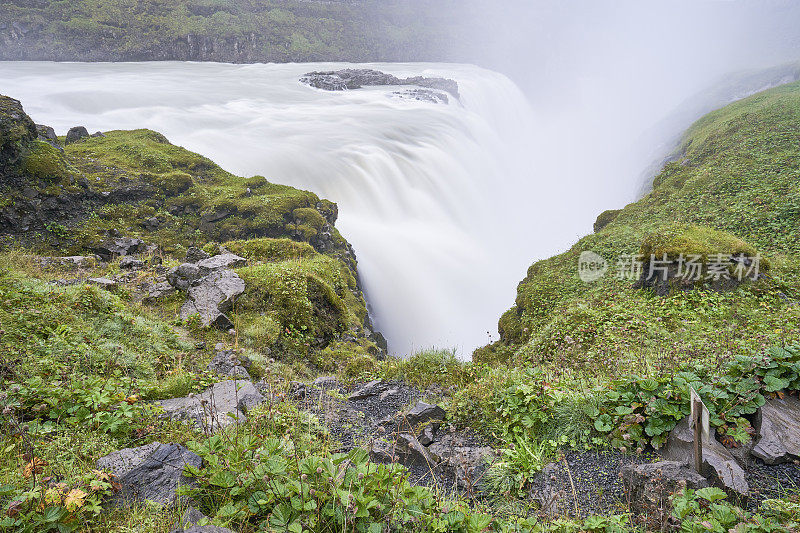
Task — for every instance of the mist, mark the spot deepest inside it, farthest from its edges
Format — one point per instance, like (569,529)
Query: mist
(613,84)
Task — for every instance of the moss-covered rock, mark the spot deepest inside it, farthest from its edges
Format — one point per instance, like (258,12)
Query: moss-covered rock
(42,161)
(17,131)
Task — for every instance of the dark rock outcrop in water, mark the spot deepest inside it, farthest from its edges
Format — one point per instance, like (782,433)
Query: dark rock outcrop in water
(349,79)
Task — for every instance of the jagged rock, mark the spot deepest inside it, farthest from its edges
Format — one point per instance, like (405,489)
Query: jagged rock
(159,290)
(97,134)
(297,390)
(195,254)
(717,460)
(151,223)
(17,131)
(182,276)
(422,95)
(207,529)
(212,296)
(350,79)
(131,263)
(649,486)
(152,472)
(383,452)
(389,393)
(412,451)
(461,461)
(424,412)
(48,135)
(778,431)
(545,490)
(120,246)
(76,134)
(373,388)
(326,382)
(212,408)
(105,283)
(219,262)
(227,363)
(427,435)
(70,262)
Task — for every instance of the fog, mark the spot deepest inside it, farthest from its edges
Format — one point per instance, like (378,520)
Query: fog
(614,81)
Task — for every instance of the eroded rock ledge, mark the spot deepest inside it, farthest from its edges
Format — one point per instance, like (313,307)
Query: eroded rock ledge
(349,79)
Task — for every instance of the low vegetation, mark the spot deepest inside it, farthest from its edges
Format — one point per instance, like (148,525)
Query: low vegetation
(580,366)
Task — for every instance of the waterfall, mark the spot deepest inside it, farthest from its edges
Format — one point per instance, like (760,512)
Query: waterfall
(441,202)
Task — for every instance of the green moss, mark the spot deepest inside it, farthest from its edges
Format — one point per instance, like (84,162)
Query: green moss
(266,249)
(688,240)
(45,162)
(605,218)
(307,221)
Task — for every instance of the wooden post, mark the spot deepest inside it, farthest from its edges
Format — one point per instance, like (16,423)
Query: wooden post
(697,409)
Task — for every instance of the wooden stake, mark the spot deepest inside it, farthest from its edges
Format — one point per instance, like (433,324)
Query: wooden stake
(697,409)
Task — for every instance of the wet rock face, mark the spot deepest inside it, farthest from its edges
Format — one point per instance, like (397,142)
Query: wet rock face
(778,431)
(17,131)
(649,486)
(350,79)
(212,297)
(149,473)
(219,406)
(718,463)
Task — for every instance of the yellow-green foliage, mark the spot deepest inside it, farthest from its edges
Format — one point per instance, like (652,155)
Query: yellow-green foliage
(301,299)
(675,240)
(45,162)
(266,249)
(194,197)
(735,188)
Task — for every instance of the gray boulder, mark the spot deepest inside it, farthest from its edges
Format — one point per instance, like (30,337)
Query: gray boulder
(649,486)
(183,276)
(718,462)
(412,451)
(195,254)
(373,388)
(131,263)
(778,431)
(219,406)
(76,134)
(227,363)
(48,135)
(158,290)
(120,246)
(424,412)
(219,262)
(105,283)
(212,296)
(149,473)
(461,461)
(326,382)
(547,489)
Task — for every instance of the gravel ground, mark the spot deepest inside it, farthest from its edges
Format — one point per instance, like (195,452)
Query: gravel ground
(772,481)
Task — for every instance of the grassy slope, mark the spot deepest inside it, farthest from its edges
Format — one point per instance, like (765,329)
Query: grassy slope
(738,173)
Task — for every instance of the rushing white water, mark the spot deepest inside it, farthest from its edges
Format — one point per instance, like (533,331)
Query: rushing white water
(439,201)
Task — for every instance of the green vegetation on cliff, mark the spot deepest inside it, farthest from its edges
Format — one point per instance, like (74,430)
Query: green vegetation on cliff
(734,189)
(223,30)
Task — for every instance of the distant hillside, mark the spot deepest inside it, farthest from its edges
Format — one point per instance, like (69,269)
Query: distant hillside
(238,31)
